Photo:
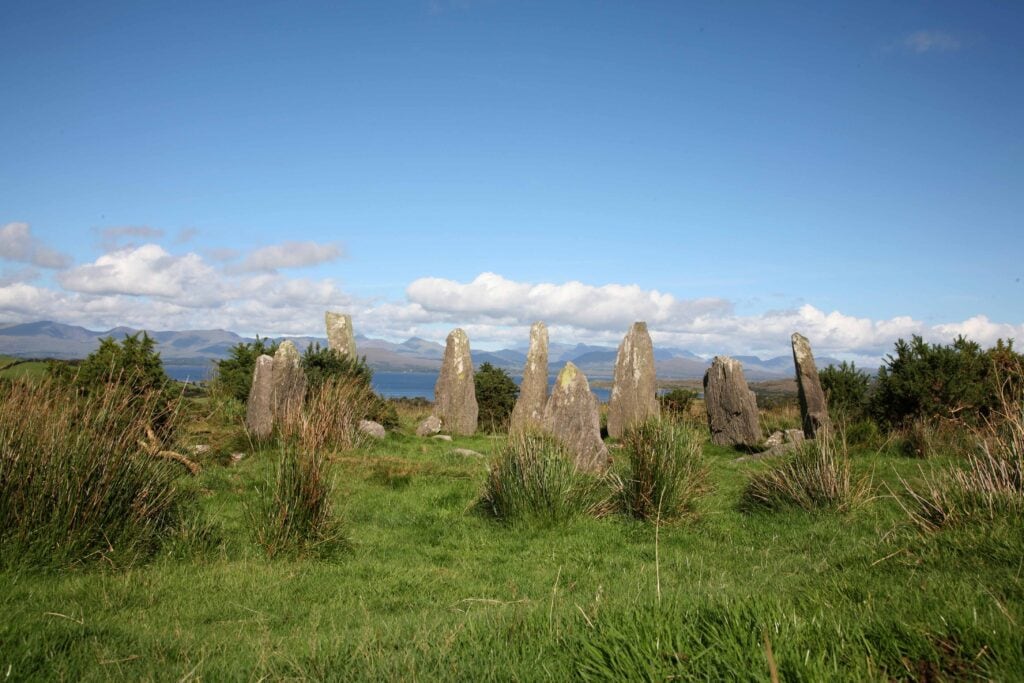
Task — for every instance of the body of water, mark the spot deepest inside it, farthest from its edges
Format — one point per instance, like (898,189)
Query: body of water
(421,384)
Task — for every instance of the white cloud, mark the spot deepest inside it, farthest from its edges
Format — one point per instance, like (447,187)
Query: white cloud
(18,244)
(931,41)
(290,255)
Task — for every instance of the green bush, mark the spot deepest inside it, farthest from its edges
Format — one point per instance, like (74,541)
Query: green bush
(234,373)
(667,474)
(75,486)
(496,395)
(847,390)
(958,382)
(533,480)
(295,516)
(677,402)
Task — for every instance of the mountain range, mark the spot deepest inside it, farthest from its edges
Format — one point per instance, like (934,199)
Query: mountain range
(48,339)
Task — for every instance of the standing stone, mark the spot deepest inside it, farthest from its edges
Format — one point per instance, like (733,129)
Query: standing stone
(339,333)
(572,417)
(455,391)
(731,405)
(259,411)
(634,389)
(813,408)
(289,384)
(528,412)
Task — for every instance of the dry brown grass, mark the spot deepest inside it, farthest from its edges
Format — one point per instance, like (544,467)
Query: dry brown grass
(329,420)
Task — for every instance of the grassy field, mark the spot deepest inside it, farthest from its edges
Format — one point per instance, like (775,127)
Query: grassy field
(13,368)
(432,589)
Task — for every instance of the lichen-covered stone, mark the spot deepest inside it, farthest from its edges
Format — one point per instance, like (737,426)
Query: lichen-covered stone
(528,412)
(372,429)
(572,417)
(634,388)
(289,384)
(455,391)
(813,408)
(731,405)
(259,411)
(340,335)
(429,427)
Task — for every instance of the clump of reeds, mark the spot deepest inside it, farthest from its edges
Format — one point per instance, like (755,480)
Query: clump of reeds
(667,474)
(533,479)
(295,515)
(79,480)
(330,418)
(816,477)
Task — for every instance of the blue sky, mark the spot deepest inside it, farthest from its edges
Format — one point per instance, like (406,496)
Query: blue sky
(726,170)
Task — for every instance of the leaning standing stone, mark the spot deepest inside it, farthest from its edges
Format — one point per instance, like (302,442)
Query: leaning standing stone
(339,333)
(813,408)
(289,384)
(455,391)
(259,411)
(528,412)
(573,418)
(731,405)
(634,390)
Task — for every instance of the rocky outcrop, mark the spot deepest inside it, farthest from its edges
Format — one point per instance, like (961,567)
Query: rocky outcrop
(813,407)
(455,392)
(731,405)
(634,389)
(572,417)
(259,411)
(340,336)
(528,412)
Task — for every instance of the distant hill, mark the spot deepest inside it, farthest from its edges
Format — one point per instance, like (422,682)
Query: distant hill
(48,339)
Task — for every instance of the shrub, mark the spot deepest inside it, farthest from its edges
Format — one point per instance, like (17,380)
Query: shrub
(496,395)
(676,402)
(666,470)
(294,516)
(846,389)
(817,476)
(532,479)
(323,364)
(234,373)
(75,486)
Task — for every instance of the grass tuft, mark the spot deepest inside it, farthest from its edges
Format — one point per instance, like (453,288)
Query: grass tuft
(667,474)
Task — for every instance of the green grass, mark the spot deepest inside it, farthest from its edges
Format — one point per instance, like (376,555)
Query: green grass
(432,589)
(14,368)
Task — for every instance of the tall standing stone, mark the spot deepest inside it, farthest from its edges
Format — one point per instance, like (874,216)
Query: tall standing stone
(455,391)
(573,418)
(731,405)
(340,336)
(528,412)
(259,411)
(813,407)
(289,385)
(634,389)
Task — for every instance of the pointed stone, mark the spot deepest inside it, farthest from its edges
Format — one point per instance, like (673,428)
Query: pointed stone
(289,384)
(259,410)
(455,391)
(528,412)
(813,407)
(731,405)
(573,418)
(634,389)
(340,336)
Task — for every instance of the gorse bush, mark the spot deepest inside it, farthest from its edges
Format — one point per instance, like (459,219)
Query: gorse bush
(234,373)
(496,395)
(666,473)
(295,516)
(817,476)
(75,484)
(847,391)
(532,479)
(676,402)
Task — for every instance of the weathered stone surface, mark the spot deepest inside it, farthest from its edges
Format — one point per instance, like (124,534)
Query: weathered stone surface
(289,384)
(432,425)
(794,436)
(528,412)
(441,437)
(813,408)
(259,411)
(731,405)
(372,429)
(455,392)
(776,439)
(340,336)
(634,389)
(571,416)
(467,452)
